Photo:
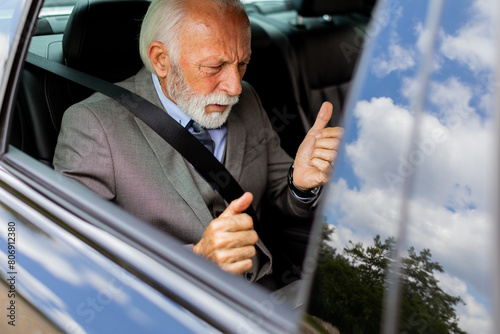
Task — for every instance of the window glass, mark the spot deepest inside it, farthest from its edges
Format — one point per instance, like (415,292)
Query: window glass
(10,13)
(418,181)
(57,7)
(451,211)
(59,3)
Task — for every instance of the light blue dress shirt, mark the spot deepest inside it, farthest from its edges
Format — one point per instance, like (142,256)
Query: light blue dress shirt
(218,135)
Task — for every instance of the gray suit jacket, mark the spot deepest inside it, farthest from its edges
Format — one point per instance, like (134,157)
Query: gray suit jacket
(105,147)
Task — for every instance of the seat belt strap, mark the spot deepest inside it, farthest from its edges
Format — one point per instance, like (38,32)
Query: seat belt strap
(157,119)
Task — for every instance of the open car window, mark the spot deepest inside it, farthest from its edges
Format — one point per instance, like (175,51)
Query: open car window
(109,235)
(50,204)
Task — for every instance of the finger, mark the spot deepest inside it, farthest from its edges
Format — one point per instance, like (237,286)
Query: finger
(238,260)
(336,132)
(237,268)
(327,143)
(231,255)
(236,239)
(234,223)
(322,166)
(242,239)
(224,232)
(238,205)
(324,115)
(327,155)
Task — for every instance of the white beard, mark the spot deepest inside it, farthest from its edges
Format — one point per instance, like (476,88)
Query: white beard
(193,103)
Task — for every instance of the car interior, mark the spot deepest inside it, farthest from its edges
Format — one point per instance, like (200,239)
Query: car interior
(304,52)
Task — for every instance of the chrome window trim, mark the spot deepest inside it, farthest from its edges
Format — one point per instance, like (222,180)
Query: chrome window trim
(55,11)
(496,183)
(392,300)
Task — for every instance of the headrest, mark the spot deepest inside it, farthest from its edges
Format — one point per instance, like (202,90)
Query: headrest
(327,7)
(102,37)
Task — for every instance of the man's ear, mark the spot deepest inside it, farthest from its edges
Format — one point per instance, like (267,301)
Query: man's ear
(159,58)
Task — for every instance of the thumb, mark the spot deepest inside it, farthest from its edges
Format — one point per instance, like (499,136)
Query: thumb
(239,205)
(324,115)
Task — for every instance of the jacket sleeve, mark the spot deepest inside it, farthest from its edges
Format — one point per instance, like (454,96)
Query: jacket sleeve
(82,152)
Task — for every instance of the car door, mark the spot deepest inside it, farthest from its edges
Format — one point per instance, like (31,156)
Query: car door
(74,263)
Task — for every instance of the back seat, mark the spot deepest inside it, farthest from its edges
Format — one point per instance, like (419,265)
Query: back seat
(98,39)
(321,40)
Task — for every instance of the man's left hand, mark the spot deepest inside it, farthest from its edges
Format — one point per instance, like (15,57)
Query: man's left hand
(317,153)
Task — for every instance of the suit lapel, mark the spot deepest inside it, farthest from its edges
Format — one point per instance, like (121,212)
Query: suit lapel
(235,144)
(175,167)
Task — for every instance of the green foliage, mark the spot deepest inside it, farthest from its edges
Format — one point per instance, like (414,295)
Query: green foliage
(349,288)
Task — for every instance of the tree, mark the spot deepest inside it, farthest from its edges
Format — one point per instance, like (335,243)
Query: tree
(349,288)
(426,308)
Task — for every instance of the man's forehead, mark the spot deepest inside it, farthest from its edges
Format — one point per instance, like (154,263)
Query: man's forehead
(211,14)
(204,27)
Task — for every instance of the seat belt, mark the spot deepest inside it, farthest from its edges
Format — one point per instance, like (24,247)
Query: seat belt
(211,169)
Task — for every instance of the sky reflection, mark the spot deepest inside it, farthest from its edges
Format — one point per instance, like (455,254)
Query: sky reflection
(450,208)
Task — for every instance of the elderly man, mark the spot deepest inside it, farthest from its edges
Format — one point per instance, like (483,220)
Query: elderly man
(195,54)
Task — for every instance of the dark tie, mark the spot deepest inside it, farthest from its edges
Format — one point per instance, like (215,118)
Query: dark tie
(202,135)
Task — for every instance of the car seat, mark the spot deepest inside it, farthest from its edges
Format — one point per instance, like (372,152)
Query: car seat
(100,38)
(325,39)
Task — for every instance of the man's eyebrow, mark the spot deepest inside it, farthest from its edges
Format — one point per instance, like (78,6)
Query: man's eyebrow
(215,59)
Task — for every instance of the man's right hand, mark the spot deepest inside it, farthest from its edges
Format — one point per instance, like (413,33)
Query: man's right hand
(229,239)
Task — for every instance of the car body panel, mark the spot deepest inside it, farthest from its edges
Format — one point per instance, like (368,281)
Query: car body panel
(166,270)
(74,281)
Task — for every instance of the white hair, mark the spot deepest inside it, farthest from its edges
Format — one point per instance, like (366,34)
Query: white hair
(163,21)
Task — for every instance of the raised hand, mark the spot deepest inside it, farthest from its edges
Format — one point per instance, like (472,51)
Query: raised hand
(229,239)
(317,153)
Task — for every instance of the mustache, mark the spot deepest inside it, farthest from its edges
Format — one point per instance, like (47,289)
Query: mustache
(221,99)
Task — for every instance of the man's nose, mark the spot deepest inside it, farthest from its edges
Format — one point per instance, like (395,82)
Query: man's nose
(231,82)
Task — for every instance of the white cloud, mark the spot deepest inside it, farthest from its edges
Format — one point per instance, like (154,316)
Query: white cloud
(449,209)
(474,43)
(4,51)
(473,316)
(398,58)
(373,158)
(451,96)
